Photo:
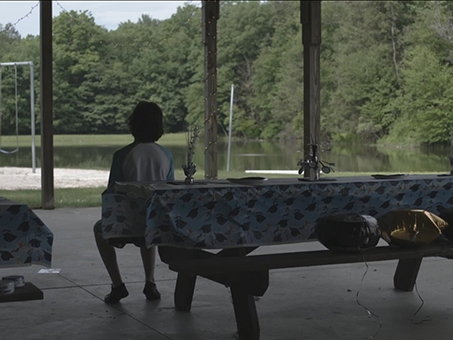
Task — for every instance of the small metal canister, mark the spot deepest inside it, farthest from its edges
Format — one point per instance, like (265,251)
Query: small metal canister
(6,287)
(18,280)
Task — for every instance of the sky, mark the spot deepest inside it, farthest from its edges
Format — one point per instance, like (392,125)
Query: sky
(25,14)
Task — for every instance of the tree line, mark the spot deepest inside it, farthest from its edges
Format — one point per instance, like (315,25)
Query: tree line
(386,71)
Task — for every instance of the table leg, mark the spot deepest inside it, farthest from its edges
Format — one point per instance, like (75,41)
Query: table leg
(245,313)
(406,274)
(185,286)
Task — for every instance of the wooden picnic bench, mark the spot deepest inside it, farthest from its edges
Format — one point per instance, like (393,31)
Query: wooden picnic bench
(247,275)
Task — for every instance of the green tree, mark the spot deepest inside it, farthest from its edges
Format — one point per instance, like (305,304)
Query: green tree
(77,54)
(364,64)
(427,102)
(278,75)
(243,29)
(16,90)
(385,70)
(164,69)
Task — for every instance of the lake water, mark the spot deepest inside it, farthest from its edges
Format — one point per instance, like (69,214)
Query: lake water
(259,156)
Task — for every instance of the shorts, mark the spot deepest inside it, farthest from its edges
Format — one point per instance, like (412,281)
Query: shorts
(118,242)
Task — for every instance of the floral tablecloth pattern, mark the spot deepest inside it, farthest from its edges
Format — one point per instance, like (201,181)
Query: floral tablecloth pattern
(219,214)
(24,238)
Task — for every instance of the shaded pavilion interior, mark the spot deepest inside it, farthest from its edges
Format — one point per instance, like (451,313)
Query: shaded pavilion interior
(307,302)
(310,19)
(315,303)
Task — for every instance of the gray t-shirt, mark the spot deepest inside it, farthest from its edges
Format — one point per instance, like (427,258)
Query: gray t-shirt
(138,162)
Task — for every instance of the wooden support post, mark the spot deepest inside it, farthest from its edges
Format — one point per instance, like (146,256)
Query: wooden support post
(185,286)
(311,39)
(47,165)
(406,274)
(185,283)
(245,313)
(210,15)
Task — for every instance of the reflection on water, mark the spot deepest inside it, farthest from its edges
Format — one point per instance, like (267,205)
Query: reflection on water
(258,156)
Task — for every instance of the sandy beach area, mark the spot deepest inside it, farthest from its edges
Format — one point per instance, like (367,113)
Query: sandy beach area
(24,178)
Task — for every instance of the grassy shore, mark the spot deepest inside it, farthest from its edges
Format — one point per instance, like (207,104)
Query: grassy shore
(71,197)
(88,140)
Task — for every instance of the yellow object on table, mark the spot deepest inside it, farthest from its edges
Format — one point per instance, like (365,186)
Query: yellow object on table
(410,228)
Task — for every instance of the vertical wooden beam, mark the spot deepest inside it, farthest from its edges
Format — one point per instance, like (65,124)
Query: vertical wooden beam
(47,165)
(311,39)
(184,289)
(245,312)
(210,15)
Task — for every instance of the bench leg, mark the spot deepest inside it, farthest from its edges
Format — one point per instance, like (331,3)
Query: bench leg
(185,286)
(406,274)
(245,313)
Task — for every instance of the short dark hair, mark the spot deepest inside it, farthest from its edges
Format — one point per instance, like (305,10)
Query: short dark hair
(146,123)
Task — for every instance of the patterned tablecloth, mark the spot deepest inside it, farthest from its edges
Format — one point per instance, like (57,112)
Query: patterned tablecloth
(24,238)
(220,214)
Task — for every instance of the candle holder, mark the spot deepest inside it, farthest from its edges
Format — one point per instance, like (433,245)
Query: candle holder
(190,168)
(312,162)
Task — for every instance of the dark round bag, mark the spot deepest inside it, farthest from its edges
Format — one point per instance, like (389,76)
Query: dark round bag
(348,232)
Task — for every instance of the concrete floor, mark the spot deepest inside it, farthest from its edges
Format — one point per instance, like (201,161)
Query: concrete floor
(307,303)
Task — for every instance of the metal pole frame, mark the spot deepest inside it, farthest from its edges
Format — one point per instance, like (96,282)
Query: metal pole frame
(32,106)
(230,128)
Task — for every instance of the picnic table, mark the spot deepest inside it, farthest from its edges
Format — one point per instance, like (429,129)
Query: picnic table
(24,240)
(234,218)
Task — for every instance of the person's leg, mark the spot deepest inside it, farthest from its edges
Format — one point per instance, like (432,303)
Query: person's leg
(108,256)
(149,262)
